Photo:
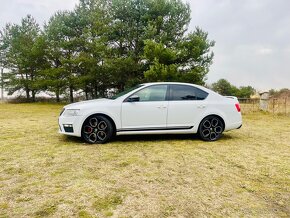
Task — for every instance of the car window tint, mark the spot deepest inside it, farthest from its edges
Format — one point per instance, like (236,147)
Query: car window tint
(183,93)
(125,92)
(153,93)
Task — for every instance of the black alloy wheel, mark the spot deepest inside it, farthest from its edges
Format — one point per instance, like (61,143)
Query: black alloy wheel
(97,129)
(211,128)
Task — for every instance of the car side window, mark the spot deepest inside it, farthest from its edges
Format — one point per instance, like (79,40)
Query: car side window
(153,93)
(185,93)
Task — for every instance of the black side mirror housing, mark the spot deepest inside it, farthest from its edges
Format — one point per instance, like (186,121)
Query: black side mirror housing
(134,98)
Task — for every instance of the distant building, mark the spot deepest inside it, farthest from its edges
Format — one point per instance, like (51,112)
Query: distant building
(256,95)
(264,95)
(264,99)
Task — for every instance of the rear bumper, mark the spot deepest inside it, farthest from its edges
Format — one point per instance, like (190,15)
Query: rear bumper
(232,126)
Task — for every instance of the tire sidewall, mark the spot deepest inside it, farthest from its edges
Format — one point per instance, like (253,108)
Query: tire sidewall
(201,123)
(110,129)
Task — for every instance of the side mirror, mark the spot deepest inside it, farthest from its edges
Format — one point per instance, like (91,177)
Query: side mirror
(134,98)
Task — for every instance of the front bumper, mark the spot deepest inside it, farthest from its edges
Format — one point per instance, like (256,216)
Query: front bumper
(70,125)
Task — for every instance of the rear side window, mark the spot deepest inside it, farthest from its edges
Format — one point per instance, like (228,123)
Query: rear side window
(186,93)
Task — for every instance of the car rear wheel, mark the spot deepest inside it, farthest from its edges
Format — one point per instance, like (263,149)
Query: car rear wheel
(211,128)
(97,129)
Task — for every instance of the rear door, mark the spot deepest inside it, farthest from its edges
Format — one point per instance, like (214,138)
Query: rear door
(186,103)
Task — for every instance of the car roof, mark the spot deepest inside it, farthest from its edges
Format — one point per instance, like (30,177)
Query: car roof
(172,83)
(166,83)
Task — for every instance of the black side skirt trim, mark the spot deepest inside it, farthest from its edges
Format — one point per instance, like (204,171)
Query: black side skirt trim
(156,129)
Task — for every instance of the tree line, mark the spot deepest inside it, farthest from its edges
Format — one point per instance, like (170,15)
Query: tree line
(277,93)
(225,88)
(104,45)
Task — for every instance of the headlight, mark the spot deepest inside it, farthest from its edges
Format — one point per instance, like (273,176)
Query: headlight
(71,112)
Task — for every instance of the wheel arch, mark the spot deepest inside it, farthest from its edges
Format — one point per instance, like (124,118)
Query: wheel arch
(100,114)
(215,115)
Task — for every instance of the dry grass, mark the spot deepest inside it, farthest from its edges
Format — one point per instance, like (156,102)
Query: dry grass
(250,108)
(43,174)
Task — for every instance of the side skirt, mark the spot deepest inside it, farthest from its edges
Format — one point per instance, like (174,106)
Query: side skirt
(154,129)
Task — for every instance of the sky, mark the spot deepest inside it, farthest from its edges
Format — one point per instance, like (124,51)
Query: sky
(252,36)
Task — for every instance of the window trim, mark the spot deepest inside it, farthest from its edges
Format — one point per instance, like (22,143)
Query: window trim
(166,95)
(170,97)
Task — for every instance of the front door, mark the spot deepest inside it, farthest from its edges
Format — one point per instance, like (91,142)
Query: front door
(149,112)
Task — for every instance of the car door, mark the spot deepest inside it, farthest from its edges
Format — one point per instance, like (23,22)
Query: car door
(186,103)
(148,110)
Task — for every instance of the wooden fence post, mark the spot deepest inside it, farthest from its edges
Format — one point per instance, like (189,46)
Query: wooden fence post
(286,106)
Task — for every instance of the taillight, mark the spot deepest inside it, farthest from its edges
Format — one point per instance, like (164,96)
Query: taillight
(238,107)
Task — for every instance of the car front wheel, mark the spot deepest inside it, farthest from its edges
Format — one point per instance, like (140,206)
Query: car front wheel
(97,129)
(211,128)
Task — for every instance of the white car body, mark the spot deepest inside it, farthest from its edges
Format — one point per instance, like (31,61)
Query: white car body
(153,117)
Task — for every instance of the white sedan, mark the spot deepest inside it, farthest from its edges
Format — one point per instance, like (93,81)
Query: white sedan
(153,108)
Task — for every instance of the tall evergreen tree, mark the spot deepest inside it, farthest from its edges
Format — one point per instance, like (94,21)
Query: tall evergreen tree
(23,55)
(94,19)
(134,22)
(186,61)
(62,35)
(106,44)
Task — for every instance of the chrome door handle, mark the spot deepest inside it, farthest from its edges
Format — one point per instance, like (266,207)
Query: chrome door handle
(161,107)
(201,106)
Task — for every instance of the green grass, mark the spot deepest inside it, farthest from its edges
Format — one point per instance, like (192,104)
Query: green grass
(44,174)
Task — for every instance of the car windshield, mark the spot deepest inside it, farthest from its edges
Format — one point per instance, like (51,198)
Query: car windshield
(125,92)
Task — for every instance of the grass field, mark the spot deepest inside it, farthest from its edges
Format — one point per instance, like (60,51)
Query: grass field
(44,174)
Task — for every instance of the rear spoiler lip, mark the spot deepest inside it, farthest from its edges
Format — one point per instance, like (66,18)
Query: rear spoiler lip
(232,97)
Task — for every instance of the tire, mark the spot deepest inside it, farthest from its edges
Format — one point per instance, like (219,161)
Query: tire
(211,128)
(97,129)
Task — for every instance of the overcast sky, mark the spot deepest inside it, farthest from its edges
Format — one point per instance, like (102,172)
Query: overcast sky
(252,36)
